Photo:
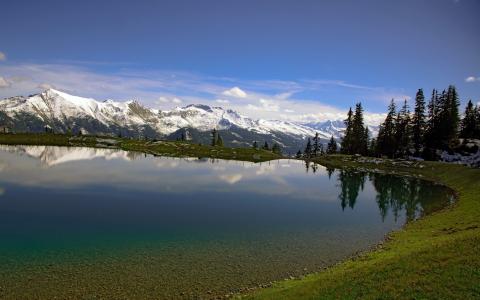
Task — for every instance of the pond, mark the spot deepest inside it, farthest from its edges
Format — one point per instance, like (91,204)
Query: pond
(87,223)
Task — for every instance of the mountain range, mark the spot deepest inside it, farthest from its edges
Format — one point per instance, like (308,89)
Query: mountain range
(63,112)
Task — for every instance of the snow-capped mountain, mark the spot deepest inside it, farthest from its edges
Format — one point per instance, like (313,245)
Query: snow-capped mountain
(63,112)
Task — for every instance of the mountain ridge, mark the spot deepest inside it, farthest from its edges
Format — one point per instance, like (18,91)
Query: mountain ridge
(64,112)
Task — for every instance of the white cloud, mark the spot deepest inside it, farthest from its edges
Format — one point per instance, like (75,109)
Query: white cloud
(231,178)
(165,100)
(45,86)
(265,105)
(4,83)
(235,92)
(266,99)
(472,79)
(3,56)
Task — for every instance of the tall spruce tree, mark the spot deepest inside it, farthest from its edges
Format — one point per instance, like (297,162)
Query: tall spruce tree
(386,135)
(265,146)
(332,146)
(453,103)
(316,145)
(308,149)
(469,121)
(358,140)
(432,121)
(299,154)
(402,131)
(418,122)
(346,144)
(214,137)
(477,122)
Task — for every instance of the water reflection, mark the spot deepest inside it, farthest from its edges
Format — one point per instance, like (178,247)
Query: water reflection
(190,219)
(392,194)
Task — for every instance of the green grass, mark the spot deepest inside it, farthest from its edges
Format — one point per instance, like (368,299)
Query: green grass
(437,257)
(161,148)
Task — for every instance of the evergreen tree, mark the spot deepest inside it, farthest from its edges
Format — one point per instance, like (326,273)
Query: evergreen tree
(214,137)
(477,122)
(432,121)
(469,122)
(332,146)
(358,140)
(386,134)
(402,130)
(316,145)
(365,141)
(299,154)
(418,122)
(453,115)
(443,134)
(255,145)
(308,149)
(265,146)
(346,145)
(372,147)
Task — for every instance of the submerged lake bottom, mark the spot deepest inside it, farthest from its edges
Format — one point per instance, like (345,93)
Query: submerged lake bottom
(86,223)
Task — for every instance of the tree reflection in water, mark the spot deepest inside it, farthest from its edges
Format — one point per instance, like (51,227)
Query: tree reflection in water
(394,193)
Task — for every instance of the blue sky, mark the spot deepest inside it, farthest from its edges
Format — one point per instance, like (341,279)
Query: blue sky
(298,60)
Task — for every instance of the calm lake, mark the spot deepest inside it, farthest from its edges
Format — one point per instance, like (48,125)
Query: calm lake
(91,223)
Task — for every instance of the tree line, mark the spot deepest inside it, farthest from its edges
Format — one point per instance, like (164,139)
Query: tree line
(430,127)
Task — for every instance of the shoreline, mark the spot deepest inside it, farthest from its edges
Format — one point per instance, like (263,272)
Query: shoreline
(158,148)
(324,284)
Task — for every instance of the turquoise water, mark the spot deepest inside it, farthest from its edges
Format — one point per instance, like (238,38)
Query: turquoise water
(174,227)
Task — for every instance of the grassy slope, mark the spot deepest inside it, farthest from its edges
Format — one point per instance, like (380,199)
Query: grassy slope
(164,148)
(437,257)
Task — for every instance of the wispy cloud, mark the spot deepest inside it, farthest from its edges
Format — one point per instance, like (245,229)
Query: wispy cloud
(299,100)
(3,56)
(4,83)
(472,79)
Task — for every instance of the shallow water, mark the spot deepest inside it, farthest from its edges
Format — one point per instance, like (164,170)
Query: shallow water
(86,223)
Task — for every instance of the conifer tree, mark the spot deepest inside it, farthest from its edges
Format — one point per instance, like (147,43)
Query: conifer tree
(402,130)
(418,122)
(299,154)
(346,145)
(386,134)
(477,122)
(469,121)
(316,145)
(265,146)
(308,149)
(358,141)
(332,146)
(214,137)
(365,141)
(255,145)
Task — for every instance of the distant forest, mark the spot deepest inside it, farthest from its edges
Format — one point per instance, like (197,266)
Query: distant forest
(430,127)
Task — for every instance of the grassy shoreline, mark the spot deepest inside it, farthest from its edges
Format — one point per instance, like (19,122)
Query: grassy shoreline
(436,257)
(160,148)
